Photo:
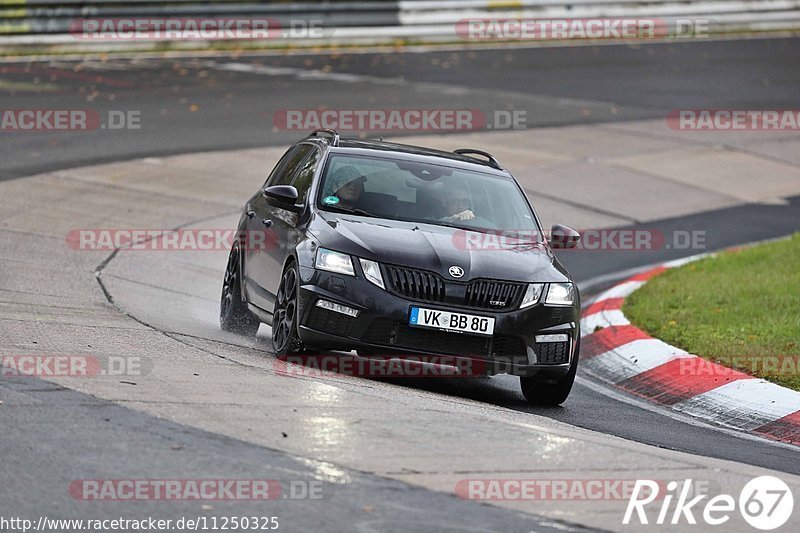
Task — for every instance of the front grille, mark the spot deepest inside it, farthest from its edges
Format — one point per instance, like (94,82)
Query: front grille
(481,293)
(552,353)
(402,336)
(329,322)
(416,284)
(427,286)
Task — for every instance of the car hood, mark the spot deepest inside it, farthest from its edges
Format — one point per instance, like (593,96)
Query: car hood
(436,248)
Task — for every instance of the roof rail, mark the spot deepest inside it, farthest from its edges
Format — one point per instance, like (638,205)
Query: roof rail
(333,133)
(491,160)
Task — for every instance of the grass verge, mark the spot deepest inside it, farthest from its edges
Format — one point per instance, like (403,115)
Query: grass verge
(740,309)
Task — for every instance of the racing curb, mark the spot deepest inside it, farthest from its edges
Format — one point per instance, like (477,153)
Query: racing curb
(619,353)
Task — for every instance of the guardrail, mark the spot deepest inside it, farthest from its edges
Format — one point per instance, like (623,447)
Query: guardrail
(47,22)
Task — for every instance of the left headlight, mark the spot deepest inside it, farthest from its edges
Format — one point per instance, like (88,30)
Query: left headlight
(334,262)
(532,294)
(372,271)
(560,294)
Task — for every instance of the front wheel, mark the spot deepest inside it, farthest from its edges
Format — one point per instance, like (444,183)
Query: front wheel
(285,340)
(551,393)
(233,313)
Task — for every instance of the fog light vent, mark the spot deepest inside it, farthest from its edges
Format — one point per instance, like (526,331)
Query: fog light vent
(337,308)
(560,337)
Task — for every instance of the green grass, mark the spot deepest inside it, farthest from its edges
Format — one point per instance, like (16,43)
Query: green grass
(740,308)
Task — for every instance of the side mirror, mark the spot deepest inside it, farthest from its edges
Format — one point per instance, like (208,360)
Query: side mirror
(563,237)
(283,197)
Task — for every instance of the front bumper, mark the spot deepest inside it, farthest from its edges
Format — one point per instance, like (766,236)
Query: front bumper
(381,328)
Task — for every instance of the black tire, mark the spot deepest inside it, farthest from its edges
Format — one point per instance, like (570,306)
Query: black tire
(233,313)
(285,340)
(551,393)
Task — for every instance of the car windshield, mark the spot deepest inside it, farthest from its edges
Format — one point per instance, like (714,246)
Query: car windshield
(427,193)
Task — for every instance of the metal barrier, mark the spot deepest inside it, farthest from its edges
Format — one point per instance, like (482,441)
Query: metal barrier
(47,22)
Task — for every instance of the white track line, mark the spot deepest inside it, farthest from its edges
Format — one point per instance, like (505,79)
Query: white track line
(633,358)
(593,383)
(745,403)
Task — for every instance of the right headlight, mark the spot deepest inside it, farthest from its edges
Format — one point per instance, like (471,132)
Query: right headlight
(334,262)
(560,294)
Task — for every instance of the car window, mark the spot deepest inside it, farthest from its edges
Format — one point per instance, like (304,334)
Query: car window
(284,171)
(383,184)
(424,192)
(305,175)
(276,171)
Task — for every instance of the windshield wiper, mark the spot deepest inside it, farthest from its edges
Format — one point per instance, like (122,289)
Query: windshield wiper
(360,212)
(447,225)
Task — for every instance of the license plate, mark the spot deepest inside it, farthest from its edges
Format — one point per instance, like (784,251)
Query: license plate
(450,321)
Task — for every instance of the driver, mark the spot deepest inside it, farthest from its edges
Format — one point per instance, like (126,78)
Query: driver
(457,206)
(347,185)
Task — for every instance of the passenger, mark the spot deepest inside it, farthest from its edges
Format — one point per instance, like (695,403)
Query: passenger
(457,206)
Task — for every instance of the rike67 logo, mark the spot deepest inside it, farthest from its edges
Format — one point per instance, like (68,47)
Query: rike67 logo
(766,503)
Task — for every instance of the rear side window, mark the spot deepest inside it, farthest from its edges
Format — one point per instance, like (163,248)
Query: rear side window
(284,171)
(305,175)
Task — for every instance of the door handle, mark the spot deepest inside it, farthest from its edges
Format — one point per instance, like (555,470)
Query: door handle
(251,214)
(267,222)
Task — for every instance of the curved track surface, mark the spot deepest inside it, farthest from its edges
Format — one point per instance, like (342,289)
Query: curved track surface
(227,102)
(231,406)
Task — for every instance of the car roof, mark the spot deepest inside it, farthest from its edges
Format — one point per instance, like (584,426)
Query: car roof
(413,153)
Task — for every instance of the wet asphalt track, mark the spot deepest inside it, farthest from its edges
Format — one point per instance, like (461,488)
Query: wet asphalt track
(74,436)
